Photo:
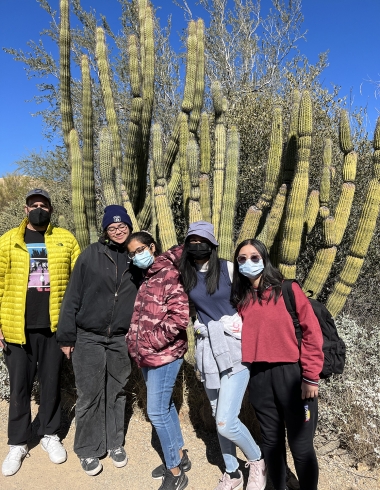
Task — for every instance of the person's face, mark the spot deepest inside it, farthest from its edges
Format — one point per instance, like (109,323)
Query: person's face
(248,252)
(198,239)
(35,202)
(118,232)
(135,247)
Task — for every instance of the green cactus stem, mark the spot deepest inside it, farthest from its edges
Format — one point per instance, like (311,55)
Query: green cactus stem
(320,270)
(182,160)
(250,224)
(349,166)
(128,206)
(204,180)
(153,219)
(291,147)
(295,209)
(134,69)
(311,211)
(148,96)
(324,212)
(345,140)
(329,231)
(376,153)
(273,221)
(272,171)
(324,189)
(289,271)
(359,248)
(226,228)
(343,210)
(80,220)
(165,220)
(105,82)
(106,168)
(133,150)
(191,68)
(195,213)
(88,149)
(64,72)
(200,79)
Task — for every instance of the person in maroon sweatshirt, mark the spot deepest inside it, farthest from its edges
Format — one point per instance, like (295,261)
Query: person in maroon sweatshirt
(157,341)
(283,387)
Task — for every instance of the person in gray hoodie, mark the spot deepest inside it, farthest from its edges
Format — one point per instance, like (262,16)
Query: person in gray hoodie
(207,281)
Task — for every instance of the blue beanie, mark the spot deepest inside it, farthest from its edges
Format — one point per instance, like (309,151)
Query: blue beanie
(116,214)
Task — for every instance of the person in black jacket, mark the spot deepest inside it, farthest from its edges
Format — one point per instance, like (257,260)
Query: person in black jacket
(94,318)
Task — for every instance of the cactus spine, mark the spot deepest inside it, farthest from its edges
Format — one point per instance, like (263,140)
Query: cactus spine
(88,150)
(80,220)
(226,228)
(65,73)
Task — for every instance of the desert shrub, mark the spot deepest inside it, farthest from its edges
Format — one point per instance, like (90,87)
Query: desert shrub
(4,380)
(349,404)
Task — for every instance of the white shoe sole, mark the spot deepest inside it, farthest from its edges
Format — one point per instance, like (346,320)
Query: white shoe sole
(57,461)
(120,464)
(95,471)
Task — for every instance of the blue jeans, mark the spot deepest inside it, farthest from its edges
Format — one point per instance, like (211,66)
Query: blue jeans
(161,410)
(225,404)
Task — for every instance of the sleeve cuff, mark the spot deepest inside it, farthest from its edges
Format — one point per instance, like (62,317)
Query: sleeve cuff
(310,381)
(66,344)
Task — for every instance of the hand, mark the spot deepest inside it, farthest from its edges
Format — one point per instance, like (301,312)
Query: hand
(67,351)
(309,391)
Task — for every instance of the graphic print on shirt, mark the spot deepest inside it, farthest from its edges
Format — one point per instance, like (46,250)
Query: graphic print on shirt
(39,278)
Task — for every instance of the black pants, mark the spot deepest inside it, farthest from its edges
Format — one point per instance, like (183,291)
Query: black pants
(102,367)
(275,393)
(41,349)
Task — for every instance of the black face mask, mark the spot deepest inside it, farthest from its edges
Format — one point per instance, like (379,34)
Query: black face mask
(39,217)
(199,251)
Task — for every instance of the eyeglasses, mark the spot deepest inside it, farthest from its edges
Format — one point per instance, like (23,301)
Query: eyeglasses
(113,229)
(139,250)
(242,259)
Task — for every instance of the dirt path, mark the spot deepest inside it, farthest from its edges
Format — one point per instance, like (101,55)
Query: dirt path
(38,472)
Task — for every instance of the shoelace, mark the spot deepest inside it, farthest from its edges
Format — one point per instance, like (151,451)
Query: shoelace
(88,460)
(14,450)
(117,450)
(253,475)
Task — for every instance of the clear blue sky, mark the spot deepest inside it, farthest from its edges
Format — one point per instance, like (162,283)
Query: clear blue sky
(347,28)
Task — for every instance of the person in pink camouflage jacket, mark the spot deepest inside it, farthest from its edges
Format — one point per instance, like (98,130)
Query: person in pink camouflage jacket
(157,341)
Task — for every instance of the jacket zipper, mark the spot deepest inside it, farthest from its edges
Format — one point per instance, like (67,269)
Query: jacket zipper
(116,291)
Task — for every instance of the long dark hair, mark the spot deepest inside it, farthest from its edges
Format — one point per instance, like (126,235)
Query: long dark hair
(242,291)
(146,239)
(189,272)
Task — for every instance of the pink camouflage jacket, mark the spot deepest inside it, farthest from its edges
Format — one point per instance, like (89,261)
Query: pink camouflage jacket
(157,334)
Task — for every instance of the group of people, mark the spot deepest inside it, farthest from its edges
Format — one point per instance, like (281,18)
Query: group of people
(124,300)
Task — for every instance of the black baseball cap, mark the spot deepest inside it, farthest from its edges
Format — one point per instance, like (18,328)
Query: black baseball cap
(38,192)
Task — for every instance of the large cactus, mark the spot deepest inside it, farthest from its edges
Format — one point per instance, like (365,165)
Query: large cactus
(65,72)
(88,150)
(80,219)
(295,209)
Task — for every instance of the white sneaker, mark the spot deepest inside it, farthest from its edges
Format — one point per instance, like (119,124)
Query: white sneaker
(12,463)
(52,445)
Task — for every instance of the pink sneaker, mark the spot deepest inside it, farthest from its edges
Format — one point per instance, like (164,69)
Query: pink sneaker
(257,479)
(228,483)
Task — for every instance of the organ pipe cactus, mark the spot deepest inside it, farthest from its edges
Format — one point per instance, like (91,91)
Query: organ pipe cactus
(65,72)
(80,219)
(195,213)
(106,169)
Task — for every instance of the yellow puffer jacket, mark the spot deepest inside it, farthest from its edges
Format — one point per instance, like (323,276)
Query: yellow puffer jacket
(62,251)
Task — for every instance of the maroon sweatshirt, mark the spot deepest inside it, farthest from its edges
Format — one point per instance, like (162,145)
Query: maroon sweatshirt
(269,336)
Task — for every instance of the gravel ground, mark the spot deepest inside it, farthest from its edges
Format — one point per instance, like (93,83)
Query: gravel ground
(37,472)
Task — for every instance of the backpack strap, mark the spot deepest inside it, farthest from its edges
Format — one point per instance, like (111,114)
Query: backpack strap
(290,303)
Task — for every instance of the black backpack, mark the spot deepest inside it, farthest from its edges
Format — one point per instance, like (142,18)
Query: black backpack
(333,348)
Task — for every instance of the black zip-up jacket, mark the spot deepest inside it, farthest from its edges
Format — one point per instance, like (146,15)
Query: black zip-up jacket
(100,295)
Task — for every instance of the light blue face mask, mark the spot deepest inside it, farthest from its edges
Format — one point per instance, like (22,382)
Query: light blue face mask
(144,259)
(251,269)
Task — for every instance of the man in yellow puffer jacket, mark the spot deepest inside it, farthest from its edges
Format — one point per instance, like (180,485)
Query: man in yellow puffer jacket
(36,260)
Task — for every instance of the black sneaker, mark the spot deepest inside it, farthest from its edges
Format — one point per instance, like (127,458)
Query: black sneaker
(171,482)
(159,472)
(119,456)
(92,466)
